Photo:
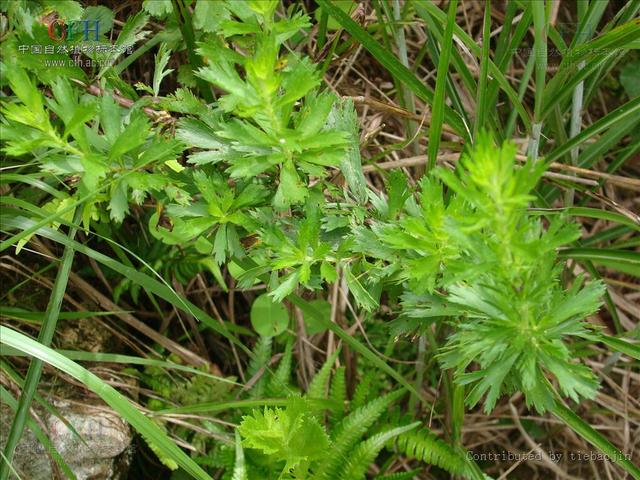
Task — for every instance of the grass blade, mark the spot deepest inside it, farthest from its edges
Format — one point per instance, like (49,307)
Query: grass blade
(593,213)
(42,437)
(540,54)
(438,109)
(476,50)
(408,99)
(565,80)
(183,18)
(505,51)
(81,356)
(35,367)
(392,64)
(152,285)
(239,469)
(622,260)
(622,122)
(592,436)
(587,25)
(481,94)
(211,407)
(109,394)
(630,110)
(606,143)
(631,349)
(524,81)
(434,34)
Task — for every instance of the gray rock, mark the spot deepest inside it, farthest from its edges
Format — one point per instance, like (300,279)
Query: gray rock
(99,455)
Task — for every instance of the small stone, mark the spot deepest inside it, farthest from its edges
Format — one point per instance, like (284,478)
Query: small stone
(106,435)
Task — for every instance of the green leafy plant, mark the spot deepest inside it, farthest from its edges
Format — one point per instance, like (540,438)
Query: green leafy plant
(231,157)
(271,119)
(487,263)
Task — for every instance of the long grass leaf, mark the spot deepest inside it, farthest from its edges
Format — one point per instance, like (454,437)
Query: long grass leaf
(587,432)
(630,110)
(607,47)
(628,348)
(391,63)
(482,103)
(211,407)
(438,112)
(45,336)
(540,54)
(589,212)
(152,285)
(623,260)
(109,394)
(434,33)
(476,50)
(505,50)
(80,356)
(183,18)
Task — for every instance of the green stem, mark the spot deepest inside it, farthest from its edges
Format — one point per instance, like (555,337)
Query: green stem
(481,94)
(457,413)
(420,369)
(526,75)
(540,54)
(409,101)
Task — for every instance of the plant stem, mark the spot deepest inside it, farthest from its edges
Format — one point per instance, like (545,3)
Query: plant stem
(481,94)
(574,129)
(592,436)
(407,95)
(457,413)
(540,54)
(420,368)
(437,116)
(526,76)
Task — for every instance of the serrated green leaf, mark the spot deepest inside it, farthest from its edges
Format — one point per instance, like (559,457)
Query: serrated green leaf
(290,190)
(158,8)
(160,71)
(361,294)
(208,15)
(67,9)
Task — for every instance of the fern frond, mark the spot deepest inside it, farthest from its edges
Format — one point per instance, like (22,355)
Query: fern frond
(399,475)
(219,458)
(318,386)
(260,360)
(278,385)
(363,390)
(167,461)
(425,446)
(367,451)
(338,395)
(350,430)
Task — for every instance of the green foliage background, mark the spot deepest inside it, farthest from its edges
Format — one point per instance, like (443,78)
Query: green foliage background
(232,176)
